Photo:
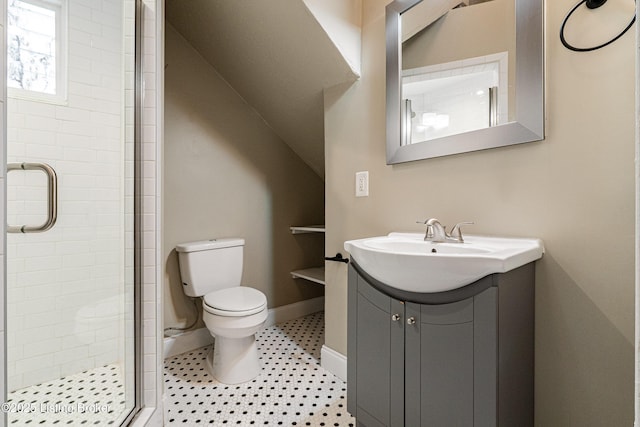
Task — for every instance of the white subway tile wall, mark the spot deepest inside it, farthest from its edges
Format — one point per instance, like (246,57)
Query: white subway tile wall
(153,48)
(83,98)
(66,286)
(3,151)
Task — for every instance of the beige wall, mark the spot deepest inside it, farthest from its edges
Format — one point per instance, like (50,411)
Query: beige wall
(575,190)
(442,41)
(226,174)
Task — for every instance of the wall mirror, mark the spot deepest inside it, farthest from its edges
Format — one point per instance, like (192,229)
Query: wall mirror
(462,75)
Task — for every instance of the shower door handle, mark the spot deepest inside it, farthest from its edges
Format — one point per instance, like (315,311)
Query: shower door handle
(52,197)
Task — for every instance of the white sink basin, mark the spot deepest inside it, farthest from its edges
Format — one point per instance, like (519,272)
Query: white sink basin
(405,261)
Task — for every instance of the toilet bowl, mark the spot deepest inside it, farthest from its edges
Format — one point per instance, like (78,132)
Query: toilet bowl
(233,316)
(212,269)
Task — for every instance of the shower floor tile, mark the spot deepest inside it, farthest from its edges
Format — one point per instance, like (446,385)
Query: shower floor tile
(93,397)
(292,390)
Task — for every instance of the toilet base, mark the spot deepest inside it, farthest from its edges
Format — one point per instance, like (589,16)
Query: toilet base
(234,360)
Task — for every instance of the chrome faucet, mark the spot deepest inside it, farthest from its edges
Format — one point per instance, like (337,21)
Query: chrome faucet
(437,233)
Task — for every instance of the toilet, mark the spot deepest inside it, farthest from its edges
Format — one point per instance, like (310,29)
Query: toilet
(212,269)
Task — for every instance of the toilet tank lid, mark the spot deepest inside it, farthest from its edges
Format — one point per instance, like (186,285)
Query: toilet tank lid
(207,245)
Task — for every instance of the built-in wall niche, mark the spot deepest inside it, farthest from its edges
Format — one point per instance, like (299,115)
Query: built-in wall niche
(311,274)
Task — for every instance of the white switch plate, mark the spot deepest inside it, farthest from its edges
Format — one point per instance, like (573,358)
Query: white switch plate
(362,184)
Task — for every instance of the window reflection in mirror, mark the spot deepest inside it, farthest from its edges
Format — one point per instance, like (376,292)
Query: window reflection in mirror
(464,86)
(455,97)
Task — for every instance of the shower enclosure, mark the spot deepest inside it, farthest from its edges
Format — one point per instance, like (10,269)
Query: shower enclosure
(72,316)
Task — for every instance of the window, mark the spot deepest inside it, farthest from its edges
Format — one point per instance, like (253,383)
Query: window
(35,45)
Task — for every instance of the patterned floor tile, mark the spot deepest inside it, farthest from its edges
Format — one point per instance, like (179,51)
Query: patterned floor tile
(292,390)
(93,397)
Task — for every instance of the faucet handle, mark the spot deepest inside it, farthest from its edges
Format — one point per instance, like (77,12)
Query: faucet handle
(456,231)
(429,222)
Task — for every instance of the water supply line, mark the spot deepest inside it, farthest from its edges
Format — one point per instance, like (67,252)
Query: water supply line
(185,328)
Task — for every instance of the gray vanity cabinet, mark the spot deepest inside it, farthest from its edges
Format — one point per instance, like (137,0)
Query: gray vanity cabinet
(461,359)
(379,355)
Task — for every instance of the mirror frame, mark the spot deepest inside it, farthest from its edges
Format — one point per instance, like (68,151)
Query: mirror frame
(528,125)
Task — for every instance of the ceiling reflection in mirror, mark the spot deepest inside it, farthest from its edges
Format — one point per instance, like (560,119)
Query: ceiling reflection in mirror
(463,84)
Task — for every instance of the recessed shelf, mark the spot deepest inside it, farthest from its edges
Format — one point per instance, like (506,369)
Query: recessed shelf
(307,229)
(314,274)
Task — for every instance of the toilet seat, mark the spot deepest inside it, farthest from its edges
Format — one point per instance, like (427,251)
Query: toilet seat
(234,302)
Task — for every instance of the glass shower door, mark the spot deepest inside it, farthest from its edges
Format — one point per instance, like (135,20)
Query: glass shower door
(70,211)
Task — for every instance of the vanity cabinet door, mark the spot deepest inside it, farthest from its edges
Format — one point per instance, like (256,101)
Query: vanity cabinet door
(439,364)
(376,380)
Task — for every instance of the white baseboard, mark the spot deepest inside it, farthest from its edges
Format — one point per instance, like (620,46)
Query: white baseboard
(334,362)
(298,309)
(198,338)
(187,341)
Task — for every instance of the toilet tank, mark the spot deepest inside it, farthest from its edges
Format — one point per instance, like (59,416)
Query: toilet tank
(210,265)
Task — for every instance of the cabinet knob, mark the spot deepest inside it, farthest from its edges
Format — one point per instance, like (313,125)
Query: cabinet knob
(411,320)
(395,317)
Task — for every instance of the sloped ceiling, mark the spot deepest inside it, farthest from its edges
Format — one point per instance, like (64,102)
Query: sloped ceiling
(275,55)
